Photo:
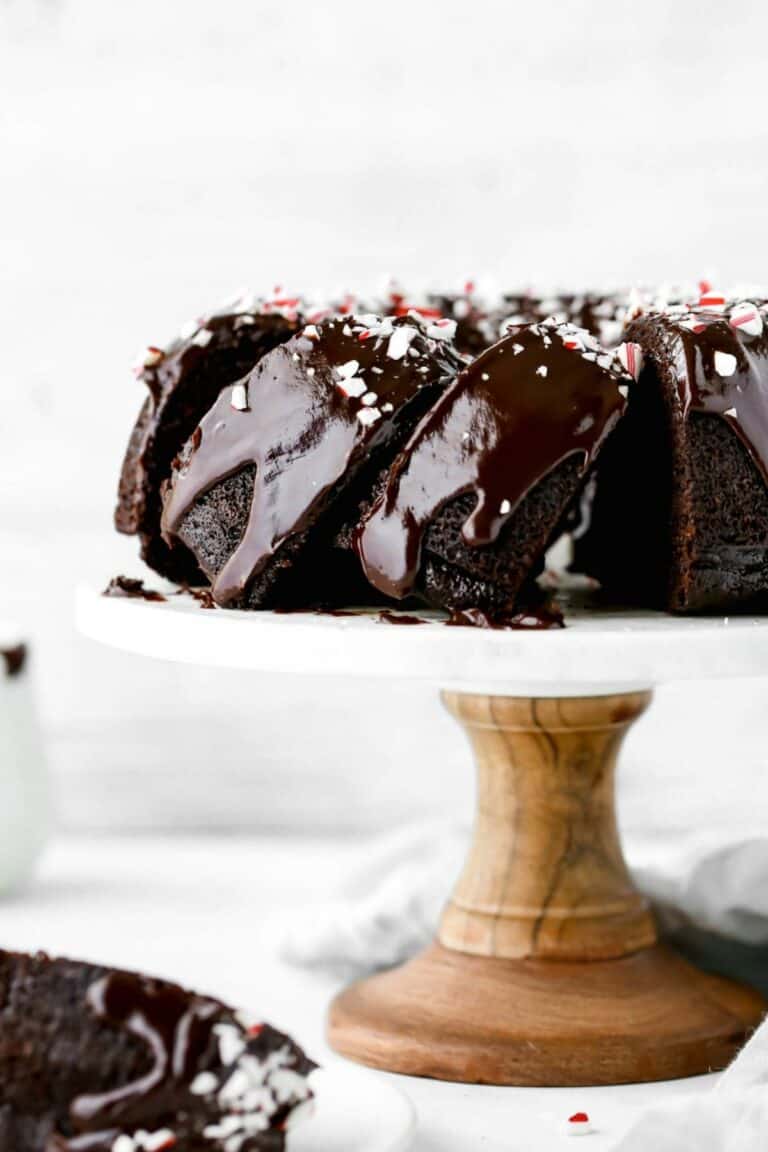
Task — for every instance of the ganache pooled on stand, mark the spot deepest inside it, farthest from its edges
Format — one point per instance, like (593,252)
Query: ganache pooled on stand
(679,518)
(483,483)
(117,1062)
(269,487)
(183,380)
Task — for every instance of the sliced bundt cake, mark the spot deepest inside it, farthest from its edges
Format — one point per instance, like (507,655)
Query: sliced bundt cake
(183,381)
(265,489)
(98,1060)
(485,480)
(679,518)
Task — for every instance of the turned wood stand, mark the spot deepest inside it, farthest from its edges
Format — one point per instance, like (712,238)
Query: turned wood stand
(546,969)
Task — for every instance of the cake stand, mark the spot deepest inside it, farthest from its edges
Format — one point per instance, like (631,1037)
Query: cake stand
(546,969)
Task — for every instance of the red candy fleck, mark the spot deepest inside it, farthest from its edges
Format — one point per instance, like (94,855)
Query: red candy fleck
(469,287)
(427,313)
(169,1143)
(364,335)
(571,344)
(711,300)
(579,1118)
(704,287)
(255,1030)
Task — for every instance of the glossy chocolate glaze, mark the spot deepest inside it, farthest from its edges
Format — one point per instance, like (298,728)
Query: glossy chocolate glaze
(308,416)
(539,618)
(719,357)
(403,618)
(183,380)
(513,415)
(14,659)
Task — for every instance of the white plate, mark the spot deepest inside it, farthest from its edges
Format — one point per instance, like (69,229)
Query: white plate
(355,1111)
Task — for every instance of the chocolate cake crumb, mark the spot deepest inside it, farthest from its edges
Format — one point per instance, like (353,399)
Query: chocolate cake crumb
(15,659)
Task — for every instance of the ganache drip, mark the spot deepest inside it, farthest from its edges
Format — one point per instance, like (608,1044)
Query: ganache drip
(545,393)
(308,416)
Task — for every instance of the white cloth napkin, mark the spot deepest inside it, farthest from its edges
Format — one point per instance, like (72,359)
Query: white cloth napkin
(711,898)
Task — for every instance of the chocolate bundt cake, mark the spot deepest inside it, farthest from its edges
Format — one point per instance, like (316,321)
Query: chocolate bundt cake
(183,381)
(679,518)
(267,489)
(98,1060)
(485,480)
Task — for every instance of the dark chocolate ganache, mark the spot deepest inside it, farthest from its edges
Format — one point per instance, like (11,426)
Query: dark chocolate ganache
(128,588)
(718,351)
(307,417)
(210,1079)
(545,393)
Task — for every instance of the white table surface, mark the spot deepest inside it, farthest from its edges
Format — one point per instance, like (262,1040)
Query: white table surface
(202,909)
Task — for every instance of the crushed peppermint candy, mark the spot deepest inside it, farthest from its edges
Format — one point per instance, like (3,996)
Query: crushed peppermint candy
(399,342)
(202,337)
(746,318)
(368,416)
(149,359)
(310,331)
(369,399)
(505,507)
(711,299)
(441,330)
(348,370)
(725,363)
(631,357)
(541,370)
(239,398)
(142,1141)
(517,349)
(353,387)
(579,1124)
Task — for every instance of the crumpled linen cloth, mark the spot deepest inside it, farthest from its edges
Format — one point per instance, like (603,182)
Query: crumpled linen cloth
(711,900)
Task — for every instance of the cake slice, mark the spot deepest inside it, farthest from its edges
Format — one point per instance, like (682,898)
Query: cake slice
(98,1060)
(679,518)
(484,482)
(267,486)
(183,381)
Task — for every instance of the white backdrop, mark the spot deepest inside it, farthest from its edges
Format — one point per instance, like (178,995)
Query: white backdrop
(159,155)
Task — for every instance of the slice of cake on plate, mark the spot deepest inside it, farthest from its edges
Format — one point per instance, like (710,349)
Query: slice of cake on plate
(98,1060)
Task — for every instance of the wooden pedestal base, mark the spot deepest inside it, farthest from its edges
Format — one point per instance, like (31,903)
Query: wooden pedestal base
(547,970)
(647,1016)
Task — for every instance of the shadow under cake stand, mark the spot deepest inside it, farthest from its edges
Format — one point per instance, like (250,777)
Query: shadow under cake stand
(546,969)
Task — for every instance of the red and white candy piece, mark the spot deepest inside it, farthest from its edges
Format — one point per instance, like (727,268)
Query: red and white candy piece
(631,357)
(579,1124)
(746,318)
(711,299)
